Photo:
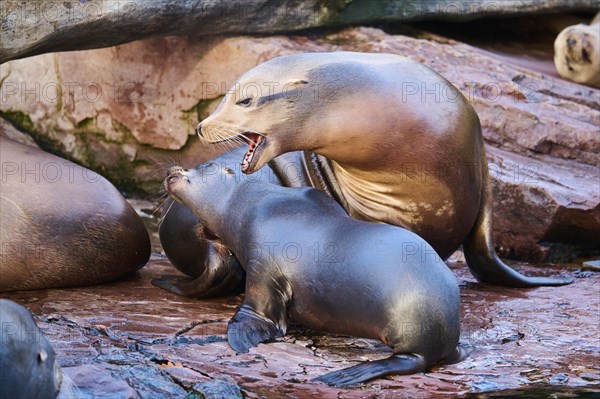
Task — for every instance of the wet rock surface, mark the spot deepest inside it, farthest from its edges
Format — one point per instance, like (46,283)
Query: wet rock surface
(131,339)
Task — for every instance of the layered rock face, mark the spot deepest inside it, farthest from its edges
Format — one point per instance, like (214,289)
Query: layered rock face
(36,27)
(130,111)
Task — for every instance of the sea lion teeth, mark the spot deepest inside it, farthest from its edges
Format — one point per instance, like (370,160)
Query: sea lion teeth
(254,142)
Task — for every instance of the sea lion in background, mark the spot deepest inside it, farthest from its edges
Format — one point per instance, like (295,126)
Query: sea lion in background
(378,281)
(28,366)
(390,139)
(577,53)
(62,225)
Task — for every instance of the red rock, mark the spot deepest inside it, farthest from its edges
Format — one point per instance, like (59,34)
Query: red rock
(539,121)
(517,338)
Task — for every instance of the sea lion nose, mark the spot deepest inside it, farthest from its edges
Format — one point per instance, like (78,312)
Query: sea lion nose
(175,169)
(199,129)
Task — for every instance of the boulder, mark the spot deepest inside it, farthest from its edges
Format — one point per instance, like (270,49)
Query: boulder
(36,27)
(130,111)
(545,209)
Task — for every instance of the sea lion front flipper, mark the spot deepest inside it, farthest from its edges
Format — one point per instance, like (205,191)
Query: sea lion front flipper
(263,315)
(247,329)
(401,364)
(222,274)
(481,256)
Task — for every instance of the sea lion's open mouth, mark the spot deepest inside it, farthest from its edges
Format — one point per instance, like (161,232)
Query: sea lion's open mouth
(256,144)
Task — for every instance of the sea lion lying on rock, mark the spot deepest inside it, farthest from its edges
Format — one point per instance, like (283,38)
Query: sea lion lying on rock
(63,225)
(577,53)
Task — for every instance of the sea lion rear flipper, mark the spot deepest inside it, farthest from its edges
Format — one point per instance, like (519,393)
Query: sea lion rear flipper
(199,287)
(401,364)
(458,355)
(247,329)
(481,256)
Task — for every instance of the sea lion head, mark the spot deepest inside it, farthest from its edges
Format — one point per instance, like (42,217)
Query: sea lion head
(27,359)
(577,54)
(268,108)
(207,183)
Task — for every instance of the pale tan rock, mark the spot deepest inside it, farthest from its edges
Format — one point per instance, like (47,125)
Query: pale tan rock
(154,92)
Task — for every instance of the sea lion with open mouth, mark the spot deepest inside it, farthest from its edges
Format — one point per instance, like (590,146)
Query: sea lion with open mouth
(390,139)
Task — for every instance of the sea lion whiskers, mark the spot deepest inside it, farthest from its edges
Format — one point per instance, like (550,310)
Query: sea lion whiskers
(161,218)
(217,132)
(227,137)
(68,389)
(163,201)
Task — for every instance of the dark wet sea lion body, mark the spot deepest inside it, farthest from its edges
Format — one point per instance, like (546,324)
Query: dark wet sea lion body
(28,366)
(394,141)
(308,262)
(213,268)
(63,225)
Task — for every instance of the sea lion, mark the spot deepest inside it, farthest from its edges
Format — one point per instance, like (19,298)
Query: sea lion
(192,249)
(195,251)
(390,139)
(28,366)
(376,281)
(577,53)
(63,225)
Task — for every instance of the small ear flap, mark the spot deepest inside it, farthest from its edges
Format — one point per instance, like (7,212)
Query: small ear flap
(42,356)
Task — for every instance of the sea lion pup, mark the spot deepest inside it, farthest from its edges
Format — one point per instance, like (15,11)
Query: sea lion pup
(193,250)
(392,142)
(307,261)
(577,53)
(28,366)
(63,225)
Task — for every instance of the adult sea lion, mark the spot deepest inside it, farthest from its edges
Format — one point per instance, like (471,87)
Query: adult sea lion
(390,139)
(28,366)
(376,281)
(62,225)
(577,53)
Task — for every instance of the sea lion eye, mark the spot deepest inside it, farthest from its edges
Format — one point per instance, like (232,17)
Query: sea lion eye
(245,102)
